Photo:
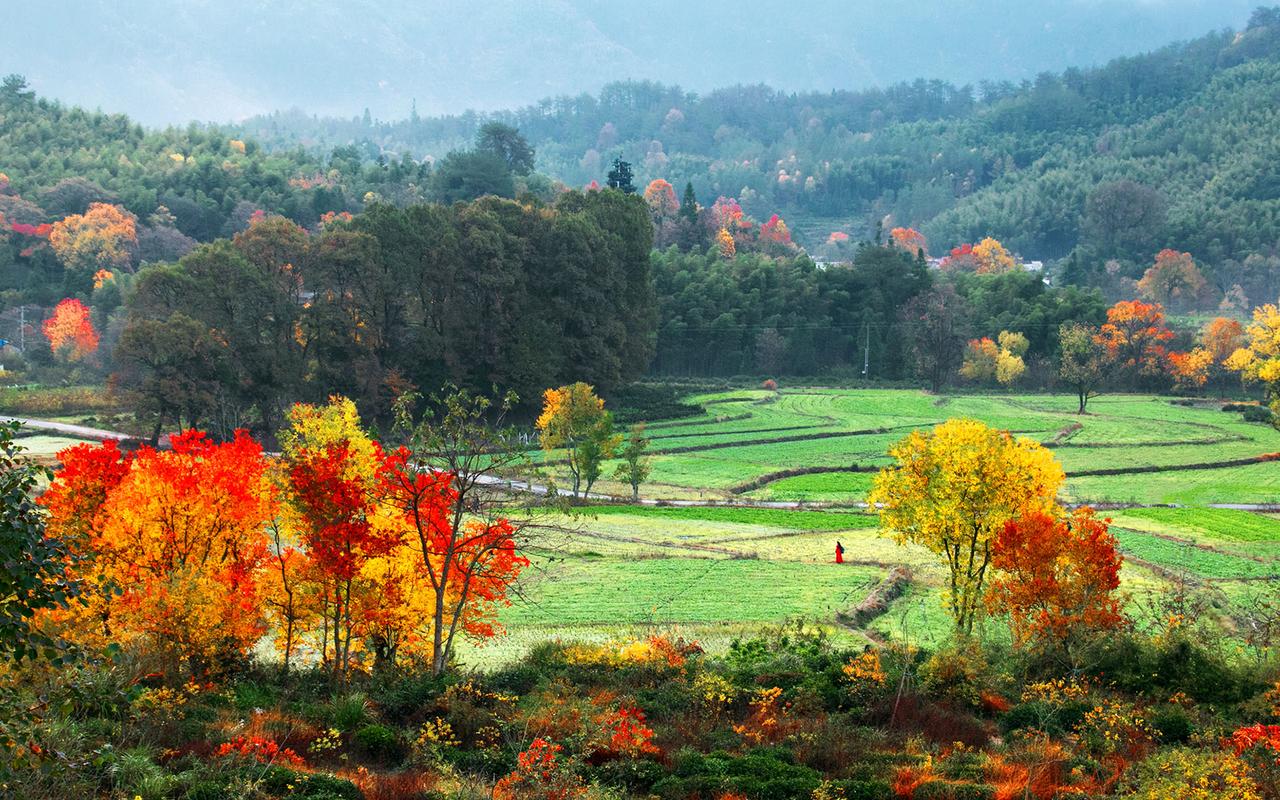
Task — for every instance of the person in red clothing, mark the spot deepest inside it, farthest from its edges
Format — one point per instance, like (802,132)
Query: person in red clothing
(839,553)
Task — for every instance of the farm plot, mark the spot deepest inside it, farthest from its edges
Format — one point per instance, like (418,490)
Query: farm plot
(712,572)
(760,434)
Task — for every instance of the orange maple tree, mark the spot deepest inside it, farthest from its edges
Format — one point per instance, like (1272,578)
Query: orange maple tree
(1056,577)
(170,542)
(910,240)
(661,197)
(1134,337)
(470,564)
(1222,336)
(1174,280)
(104,237)
(70,331)
(1190,370)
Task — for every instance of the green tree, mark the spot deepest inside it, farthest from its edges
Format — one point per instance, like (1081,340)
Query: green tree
(172,369)
(620,177)
(32,564)
(635,467)
(1081,361)
(506,143)
(467,175)
(14,89)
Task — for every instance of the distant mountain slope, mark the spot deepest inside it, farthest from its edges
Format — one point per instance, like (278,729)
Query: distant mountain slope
(166,62)
(1193,124)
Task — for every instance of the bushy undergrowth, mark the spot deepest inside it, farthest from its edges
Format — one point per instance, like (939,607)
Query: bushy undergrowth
(784,716)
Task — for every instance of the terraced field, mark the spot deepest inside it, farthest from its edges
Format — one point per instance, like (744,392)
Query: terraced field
(748,439)
(713,572)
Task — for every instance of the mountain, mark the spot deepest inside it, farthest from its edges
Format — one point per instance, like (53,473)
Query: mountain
(165,62)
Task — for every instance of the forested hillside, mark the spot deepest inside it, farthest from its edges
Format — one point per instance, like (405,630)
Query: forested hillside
(1034,164)
(266,273)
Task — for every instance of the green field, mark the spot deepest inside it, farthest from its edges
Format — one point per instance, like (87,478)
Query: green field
(711,572)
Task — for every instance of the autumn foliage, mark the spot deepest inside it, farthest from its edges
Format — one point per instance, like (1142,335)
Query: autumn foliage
(988,257)
(1056,577)
(169,543)
(661,198)
(1135,338)
(70,331)
(910,240)
(775,230)
(953,490)
(104,237)
(1174,280)
(197,551)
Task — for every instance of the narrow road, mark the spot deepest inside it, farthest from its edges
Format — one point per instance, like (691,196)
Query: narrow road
(75,431)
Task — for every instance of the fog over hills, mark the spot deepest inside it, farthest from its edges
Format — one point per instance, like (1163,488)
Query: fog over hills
(165,62)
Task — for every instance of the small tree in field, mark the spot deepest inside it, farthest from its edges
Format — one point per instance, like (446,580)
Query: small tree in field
(1258,361)
(952,491)
(573,419)
(635,467)
(441,483)
(1081,365)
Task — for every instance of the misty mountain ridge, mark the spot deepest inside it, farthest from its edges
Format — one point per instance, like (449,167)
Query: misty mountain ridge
(166,63)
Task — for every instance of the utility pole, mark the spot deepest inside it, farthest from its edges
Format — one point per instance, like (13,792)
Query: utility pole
(866,348)
(22,329)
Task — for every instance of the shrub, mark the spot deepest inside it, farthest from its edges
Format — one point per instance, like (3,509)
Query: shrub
(870,789)
(403,697)
(953,790)
(380,743)
(1258,414)
(348,712)
(55,401)
(763,774)
(635,776)
(249,695)
(1173,725)
(540,774)
(960,674)
(1190,775)
(1040,715)
(281,782)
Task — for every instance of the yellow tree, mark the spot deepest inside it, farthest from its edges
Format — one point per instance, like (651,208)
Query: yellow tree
(1009,363)
(1259,360)
(104,237)
(573,419)
(951,492)
(986,360)
(724,241)
(980,359)
(991,258)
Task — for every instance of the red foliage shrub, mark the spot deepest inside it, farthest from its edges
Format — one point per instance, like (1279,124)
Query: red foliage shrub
(262,750)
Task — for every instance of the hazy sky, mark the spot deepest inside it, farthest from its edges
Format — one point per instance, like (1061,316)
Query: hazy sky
(170,61)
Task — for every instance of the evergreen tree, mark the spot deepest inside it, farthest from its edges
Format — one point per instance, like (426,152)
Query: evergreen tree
(620,177)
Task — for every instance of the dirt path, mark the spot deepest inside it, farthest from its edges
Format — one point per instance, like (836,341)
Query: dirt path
(67,429)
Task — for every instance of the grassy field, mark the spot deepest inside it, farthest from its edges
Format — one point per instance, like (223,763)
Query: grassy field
(749,435)
(713,572)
